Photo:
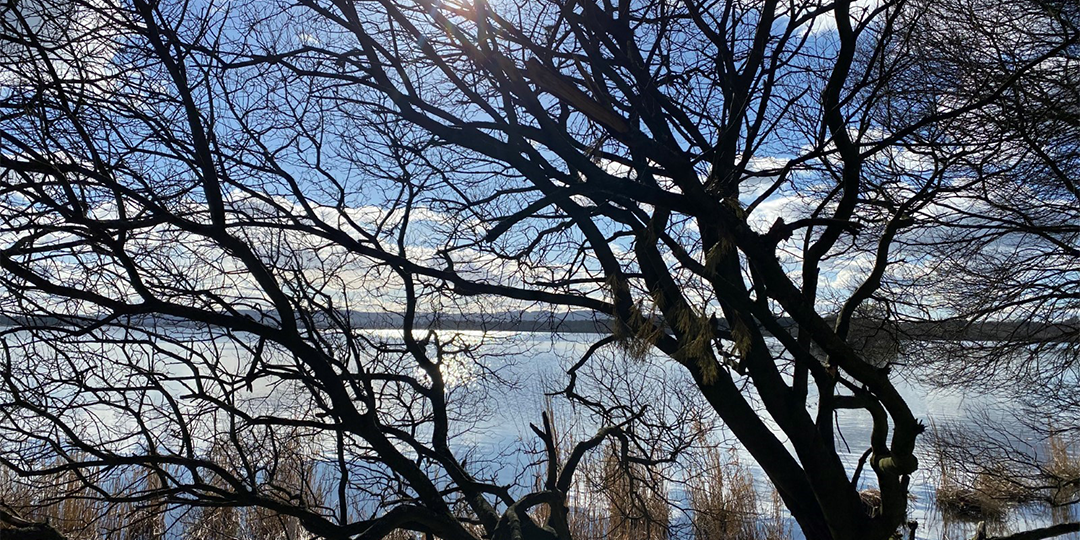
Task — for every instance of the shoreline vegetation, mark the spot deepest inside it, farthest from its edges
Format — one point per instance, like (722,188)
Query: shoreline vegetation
(715,497)
(991,493)
(303,269)
(611,502)
(610,499)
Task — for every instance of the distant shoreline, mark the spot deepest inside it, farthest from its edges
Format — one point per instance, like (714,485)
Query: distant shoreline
(586,323)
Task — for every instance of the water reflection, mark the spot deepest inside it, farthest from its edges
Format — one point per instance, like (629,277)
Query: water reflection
(507,428)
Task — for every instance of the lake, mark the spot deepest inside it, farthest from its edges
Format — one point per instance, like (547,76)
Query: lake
(538,362)
(499,395)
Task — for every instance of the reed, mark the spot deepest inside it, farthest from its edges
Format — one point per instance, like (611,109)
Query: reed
(725,503)
(991,490)
(611,498)
(636,499)
(959,495)
(775,526)
(213,523)
(618,499)
(63,502)
(985,494)
(1062,469)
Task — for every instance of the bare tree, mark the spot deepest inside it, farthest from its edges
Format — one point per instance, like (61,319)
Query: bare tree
(198,200)
(1002,249)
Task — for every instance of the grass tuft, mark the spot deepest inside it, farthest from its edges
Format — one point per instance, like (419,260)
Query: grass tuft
(725,504)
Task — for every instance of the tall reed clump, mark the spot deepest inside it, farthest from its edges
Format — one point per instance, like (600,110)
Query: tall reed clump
(972,487)
(1062,469)
(214,522)
(725,504)
(617,498)
(964,496)
(775,525)
(587,518)
(611,497)
(637,503)
(291,477)
(142,519)
(60,500)
(66,503)
(986,487)
(127,504)
(587,515)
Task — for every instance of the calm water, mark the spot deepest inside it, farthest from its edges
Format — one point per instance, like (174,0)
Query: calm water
(499,399)
(538,363)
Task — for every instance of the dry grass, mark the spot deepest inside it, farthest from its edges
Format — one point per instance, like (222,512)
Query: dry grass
(725,504)
(587,520)
(587,517)
(609,498)
(612,498)
(60,501)
(775,525)
(292,474)
(1062,467)
(979,496)
(213,523)
(966,490)
(637,504)
(66,503)
(723,499)
(987,494)
(991,491)
(961,502)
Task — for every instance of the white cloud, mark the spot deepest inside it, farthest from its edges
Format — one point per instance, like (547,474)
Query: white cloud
(77,40)
(826,22)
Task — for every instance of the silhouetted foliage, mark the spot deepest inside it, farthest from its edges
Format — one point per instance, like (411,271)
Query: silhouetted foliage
(762,194)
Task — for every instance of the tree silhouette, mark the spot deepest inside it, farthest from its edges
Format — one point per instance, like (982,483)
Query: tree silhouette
(200,199)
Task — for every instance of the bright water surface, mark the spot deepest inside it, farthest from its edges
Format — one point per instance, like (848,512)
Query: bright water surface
(538,363)
(493,430)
